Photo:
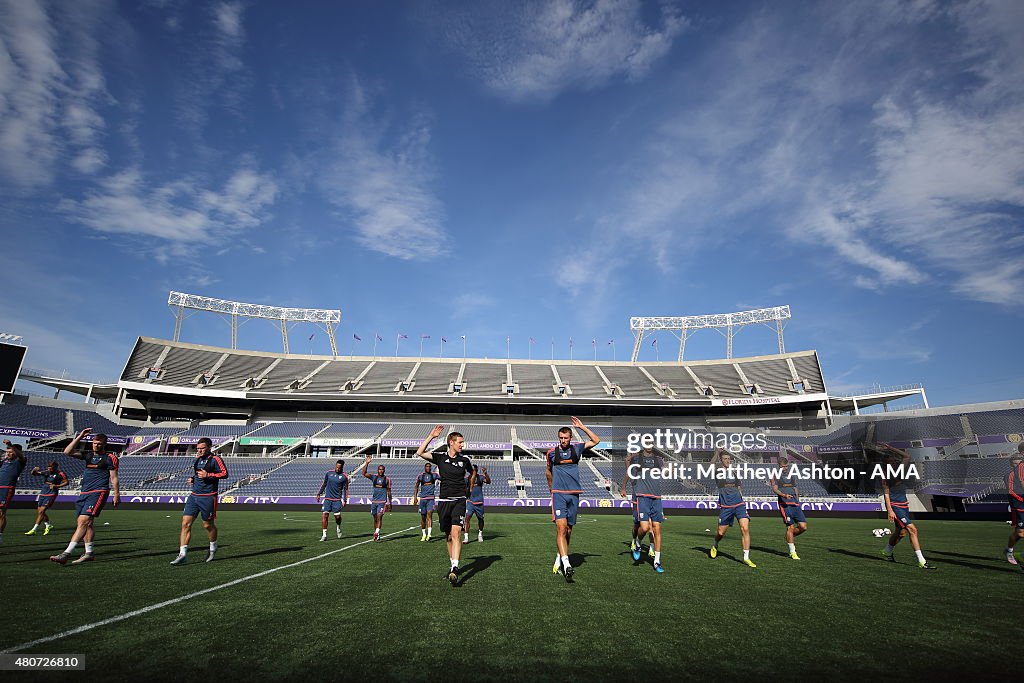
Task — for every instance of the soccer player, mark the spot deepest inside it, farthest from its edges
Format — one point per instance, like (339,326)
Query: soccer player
(423,496)
(335,491)
(475,504)
(381,500)
(563,472)
(10,469)
(789,505)
(1015,490)
(731,506)
(99,477)
(894,491)
(208,469)
(53,481)
(648,513)
(452,466)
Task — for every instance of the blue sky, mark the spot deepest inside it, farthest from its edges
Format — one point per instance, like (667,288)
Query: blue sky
(543,169)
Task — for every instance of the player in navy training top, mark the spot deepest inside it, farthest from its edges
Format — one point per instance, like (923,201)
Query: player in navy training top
(53,481)
(648,509)
(1015,491)
(208,469)
(563,472)
(451,509)
(381,500)
(99,477)
(334,490)
(423,497)
(894,492)
(731,506)
(10,469)
(785,487)
(475,504)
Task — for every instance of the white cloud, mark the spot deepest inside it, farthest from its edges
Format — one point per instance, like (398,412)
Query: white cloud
(538,50)
(380,177)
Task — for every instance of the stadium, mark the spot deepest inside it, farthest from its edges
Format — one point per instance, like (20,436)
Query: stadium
(278,421)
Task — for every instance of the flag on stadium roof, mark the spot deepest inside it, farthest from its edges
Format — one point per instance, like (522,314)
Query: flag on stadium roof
(444,340)
(379,338)
(356,337)
(426,336)
(311,336)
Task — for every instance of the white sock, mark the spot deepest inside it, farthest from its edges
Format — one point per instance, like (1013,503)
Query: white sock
(213,546)
(465,538)
(71,547)
(324,534)
(88,548)
(455,564)
(48,524)
(746,554)
(565,561)
(920,556)
(183,551)
(792,547)
(430,531)
(558,559)
(1009,551)
(34,527)
(480,535)
(657,557)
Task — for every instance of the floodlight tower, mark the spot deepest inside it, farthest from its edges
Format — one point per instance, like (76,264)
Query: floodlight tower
(327,320)
(727,324)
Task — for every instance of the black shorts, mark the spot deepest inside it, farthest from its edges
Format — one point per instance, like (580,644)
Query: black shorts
(451,513)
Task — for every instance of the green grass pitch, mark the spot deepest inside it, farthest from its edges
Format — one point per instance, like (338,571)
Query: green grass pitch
(384,611)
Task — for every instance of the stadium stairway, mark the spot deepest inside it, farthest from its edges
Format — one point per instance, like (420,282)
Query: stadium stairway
(238,484)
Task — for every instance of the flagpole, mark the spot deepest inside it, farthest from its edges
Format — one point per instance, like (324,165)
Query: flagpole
(398,338)
(463,347)
(508,348)
(376,336)
(552,348)
(570,348)
(421,346)
(440,353)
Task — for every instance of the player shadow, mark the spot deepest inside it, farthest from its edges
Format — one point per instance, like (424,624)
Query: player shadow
(578,559)
(477,565)
(56,547)
(850,553)
(960,555)
(268,551)
(706,552)
(974,565)
(770,551)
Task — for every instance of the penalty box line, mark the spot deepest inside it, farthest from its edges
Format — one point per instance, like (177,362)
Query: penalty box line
(183,598)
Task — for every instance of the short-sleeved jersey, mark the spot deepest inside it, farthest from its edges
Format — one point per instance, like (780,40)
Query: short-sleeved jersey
(897,492)
(787,483)
(1015,484)
(98,467)
(476,493)
(427,481)
(729,494)
(52,480)
(335,485)
(644,485)
(10,470)
(565,468)
(215,471)
(452,472)
(381,484)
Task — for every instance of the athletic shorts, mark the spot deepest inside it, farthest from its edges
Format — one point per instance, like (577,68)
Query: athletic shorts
(377,509)
(792,514)
(636,512)
(1017,517)
(91,504)
(426,506)
(45,501)
(6,496)
(565,506)
(903,519)
(451,513)
(334,505)
(201,505)
(650,509)
(726,516)
(474,509)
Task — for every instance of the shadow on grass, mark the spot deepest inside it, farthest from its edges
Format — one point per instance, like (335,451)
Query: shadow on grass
(770,551)
(850,553)
(268,551)
(479,564)
(707,553)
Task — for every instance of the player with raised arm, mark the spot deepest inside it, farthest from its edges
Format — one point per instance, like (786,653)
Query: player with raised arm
(451,509)
(10,469)
(53,480)
(99,478)
(423,497)
(1015,492)
(208,469)
(649,513)
(789,504)
(731,505)
(334,490)
(475,504)
(380,502)
(563,473)
(894,492)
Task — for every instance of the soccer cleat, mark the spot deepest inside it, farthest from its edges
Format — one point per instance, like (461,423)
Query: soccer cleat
(714,552)
(750,564)
(635,547)
(323,538)
(46,531)
(569,571)
(209,555)
(339,532)
(453,576)
(555,568)
(794,556)
(658,568)
(925,565)
(30,532)
(1010,558)
(891,557)
(180,559)
(650,551)
(60,559)
(480,537)
(86,557)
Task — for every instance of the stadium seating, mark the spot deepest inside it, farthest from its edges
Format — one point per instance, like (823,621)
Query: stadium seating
(485,379)
(33,417)
(583,380)
(633,382)
(1000,422)
(433,378)
(299,430)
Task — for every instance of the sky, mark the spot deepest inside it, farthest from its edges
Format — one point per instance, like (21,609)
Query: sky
(522,170)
